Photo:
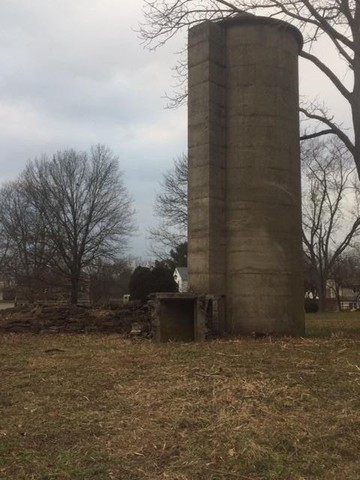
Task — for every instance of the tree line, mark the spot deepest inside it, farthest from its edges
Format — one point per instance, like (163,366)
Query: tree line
(62,218)
(70,216)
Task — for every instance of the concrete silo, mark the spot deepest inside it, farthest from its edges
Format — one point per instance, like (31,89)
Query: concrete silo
(244,172)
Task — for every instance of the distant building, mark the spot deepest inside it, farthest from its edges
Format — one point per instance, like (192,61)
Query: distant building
(345,298)
(181,278)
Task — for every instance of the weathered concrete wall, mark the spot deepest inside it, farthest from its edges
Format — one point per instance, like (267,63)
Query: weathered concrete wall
(207,157)
(244,172)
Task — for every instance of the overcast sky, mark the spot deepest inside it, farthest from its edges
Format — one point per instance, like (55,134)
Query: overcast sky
(73,73)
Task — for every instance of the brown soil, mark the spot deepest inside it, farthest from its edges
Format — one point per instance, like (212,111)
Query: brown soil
(71,319)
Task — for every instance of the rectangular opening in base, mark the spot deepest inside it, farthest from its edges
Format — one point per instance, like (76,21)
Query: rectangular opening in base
(186,317)
(177,319)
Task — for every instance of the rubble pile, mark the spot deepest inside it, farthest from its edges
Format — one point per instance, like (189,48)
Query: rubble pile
(73,319)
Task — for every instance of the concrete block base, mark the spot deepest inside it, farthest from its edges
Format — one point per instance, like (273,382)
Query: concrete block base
(186,317)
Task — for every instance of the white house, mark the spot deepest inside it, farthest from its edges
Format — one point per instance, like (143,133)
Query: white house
(181,278)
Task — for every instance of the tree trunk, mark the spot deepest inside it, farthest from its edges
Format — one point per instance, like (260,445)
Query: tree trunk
(338,299)
(74,290)
(355,100)
(322,297)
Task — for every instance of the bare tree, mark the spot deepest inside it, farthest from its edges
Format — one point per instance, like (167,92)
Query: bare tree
(4,247)
(171,208)
(336,20)
(331,208)
(24,228)
(85,206)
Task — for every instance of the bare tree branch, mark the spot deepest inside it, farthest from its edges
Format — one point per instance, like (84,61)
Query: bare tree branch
(317,134)
(328,72)
(334,128)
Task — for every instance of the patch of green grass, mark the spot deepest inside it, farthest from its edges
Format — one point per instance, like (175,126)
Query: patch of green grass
(333,324)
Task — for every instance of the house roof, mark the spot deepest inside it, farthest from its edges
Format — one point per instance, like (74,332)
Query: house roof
(183,272)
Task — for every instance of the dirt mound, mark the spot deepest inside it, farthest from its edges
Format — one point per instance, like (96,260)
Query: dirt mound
(71,319)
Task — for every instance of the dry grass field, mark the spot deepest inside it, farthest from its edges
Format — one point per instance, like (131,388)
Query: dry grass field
(92,407)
